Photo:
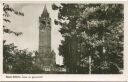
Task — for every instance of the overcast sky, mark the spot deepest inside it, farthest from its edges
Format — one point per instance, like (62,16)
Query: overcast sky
(29,26)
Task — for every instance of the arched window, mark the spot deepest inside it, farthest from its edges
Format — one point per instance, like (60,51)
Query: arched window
(43,22)
(49,22)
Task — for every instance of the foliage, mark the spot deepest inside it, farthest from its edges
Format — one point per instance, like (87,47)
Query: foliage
(94,30)
(16,61)
(6,14)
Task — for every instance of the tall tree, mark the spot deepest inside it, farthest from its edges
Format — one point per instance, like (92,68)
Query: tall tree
(91,30)
(14,60)
(8,49)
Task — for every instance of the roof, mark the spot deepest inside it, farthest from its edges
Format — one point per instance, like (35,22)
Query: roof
(45,12)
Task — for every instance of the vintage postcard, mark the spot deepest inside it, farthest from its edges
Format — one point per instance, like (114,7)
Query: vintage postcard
(64,41)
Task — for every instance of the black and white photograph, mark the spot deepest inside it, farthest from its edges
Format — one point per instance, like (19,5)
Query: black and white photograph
(63,38)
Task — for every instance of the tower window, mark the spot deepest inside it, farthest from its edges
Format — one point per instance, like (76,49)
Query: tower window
(48,22)
(43,22)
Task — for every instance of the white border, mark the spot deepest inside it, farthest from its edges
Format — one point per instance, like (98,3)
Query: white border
(1,41)
(70,77)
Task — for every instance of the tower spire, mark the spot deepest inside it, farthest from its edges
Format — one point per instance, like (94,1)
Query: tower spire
(45,12)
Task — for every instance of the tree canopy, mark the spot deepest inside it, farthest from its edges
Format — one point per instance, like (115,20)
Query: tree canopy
(91,30)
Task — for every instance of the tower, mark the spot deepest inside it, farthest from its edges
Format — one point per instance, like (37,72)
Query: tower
(44,32)
(46,59)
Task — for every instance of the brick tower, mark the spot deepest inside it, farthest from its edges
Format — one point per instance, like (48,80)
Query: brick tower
(46,56)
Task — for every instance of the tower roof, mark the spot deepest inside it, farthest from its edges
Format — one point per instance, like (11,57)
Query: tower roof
(45,12)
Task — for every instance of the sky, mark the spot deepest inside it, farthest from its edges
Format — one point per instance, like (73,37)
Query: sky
(29,26)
